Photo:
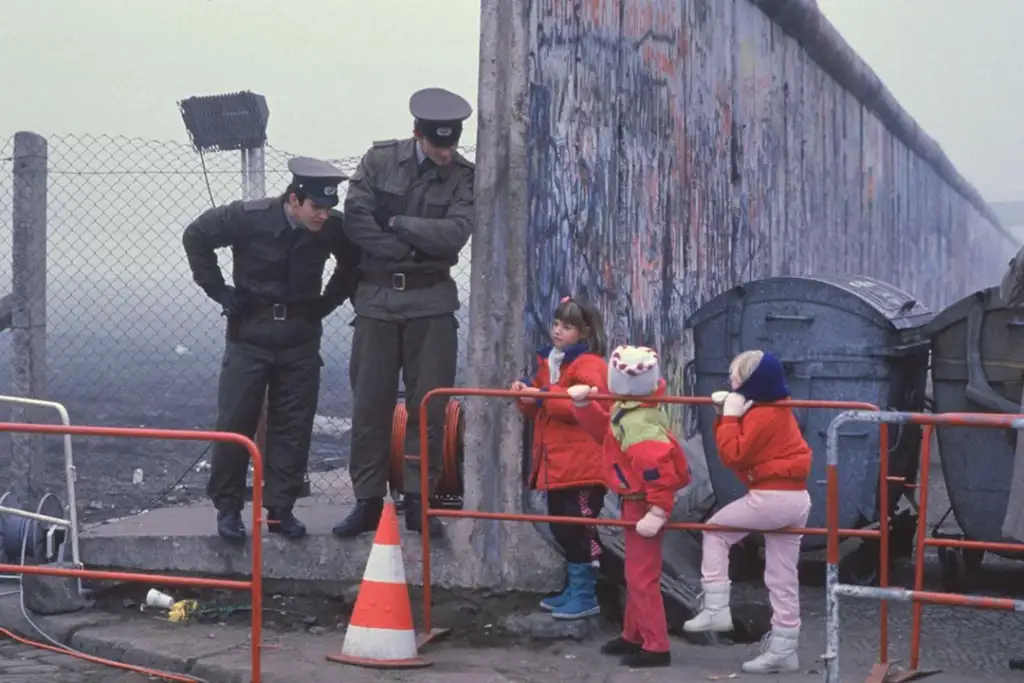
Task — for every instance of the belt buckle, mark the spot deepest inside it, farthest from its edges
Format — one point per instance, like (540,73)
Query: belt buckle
(398,282)
(280,311)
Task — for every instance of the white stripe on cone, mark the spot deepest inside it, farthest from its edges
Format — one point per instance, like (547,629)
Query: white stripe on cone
(385,565)
(379,643)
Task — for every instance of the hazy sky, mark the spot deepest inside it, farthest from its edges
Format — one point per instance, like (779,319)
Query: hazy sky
(338,73)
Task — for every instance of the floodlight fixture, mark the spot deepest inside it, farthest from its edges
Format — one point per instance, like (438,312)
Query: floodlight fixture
(224,123)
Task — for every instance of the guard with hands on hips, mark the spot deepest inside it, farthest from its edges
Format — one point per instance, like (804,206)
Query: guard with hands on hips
(645,466)
(274,312)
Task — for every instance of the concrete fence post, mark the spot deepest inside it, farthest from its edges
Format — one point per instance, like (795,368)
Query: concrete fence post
(28,306)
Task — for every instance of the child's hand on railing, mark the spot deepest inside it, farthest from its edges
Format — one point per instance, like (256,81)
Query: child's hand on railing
(736,405)
(519,385)
(651,523)
(718,400)
(580,393)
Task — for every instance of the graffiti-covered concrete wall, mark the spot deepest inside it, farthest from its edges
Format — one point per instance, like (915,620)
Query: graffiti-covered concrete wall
(680,147)
(650,154)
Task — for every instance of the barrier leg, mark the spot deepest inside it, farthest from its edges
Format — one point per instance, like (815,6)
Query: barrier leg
(915,672)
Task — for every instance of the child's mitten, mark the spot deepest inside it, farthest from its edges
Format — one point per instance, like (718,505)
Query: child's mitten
(736,405)
(580,393)
(651,524)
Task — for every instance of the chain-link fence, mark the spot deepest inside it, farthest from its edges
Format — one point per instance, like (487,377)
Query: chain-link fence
(131,340)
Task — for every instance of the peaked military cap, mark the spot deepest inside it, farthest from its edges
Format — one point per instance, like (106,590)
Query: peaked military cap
(439,114)
(318,179)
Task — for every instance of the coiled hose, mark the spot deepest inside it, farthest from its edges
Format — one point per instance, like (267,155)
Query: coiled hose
(53,645)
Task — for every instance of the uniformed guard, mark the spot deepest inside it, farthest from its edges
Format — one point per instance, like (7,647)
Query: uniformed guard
(274,313)
(409,208)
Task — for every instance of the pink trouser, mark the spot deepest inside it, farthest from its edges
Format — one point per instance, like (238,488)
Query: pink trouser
(764,511)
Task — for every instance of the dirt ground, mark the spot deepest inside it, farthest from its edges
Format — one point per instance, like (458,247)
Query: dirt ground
(173,473)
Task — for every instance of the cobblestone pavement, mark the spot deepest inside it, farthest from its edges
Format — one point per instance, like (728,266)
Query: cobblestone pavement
(24,664)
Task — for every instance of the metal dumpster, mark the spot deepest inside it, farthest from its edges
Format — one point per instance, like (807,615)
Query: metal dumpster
(977,347)
(839,339)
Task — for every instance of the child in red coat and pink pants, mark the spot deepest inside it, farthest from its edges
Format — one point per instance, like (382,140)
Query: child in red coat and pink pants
(761,442)
(645,465)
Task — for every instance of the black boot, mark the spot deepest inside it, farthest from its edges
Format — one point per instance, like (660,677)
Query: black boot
(281,521)
(643,659)
(413,519)
(230,526)
(620,646)
(365,516)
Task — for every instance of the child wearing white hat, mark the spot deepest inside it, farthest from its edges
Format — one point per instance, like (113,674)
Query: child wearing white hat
(645,465)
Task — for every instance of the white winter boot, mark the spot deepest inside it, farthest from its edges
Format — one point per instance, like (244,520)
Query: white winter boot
(778,653)
(715,615)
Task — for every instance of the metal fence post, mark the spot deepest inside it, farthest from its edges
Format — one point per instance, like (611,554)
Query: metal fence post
(28,304)
(254,186)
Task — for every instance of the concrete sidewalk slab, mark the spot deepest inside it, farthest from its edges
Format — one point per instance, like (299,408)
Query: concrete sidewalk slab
(183,540)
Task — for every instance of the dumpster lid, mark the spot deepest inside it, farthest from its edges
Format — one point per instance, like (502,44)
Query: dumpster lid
(958,310)
(859,293)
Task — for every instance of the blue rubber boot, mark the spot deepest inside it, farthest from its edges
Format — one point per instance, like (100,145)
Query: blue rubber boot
(582,602)
(552,603)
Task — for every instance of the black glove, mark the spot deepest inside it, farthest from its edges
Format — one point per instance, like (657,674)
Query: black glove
(321,308)
(230,299)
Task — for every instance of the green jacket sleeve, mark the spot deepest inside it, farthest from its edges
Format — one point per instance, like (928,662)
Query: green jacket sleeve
(442,236)
(361,226)
(345,277)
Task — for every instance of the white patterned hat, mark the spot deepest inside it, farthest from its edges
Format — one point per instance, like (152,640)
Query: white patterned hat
(633,371)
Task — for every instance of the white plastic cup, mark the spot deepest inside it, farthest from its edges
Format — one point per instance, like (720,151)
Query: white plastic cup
(155,598)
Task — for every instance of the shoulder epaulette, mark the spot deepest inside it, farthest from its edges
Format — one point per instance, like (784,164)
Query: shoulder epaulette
(257,204)
(385,143)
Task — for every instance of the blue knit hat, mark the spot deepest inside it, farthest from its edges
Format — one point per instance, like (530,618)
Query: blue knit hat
(767,382)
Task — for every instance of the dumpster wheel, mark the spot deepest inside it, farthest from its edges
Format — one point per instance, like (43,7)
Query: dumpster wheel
(958,566)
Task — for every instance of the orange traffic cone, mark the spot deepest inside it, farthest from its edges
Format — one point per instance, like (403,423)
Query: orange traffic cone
(381,634)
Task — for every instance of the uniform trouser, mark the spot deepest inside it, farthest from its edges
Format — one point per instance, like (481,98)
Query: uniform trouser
(765,510)
(291,381)
(578,542)
(644,622)
(425,352)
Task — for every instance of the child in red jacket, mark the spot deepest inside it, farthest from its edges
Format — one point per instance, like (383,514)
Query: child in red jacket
(763,445)
(566,462)
(645,465)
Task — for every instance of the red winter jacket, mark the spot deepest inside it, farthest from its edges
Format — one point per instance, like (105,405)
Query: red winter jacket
(765,448)
(564,455)
(641,455)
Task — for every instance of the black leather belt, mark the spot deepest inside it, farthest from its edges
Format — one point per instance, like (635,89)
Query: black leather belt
(281,311)
(401,282)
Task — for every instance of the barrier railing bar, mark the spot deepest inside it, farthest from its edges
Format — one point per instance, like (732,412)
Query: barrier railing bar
(56,521)
(993,546)
(919,597)
(834,589)
(254,585)
(69,468)
(674,526)
(101,575)
(426,512)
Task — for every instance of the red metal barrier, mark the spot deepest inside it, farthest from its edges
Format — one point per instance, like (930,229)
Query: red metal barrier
(882,533)
(918,596)
(254,586)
